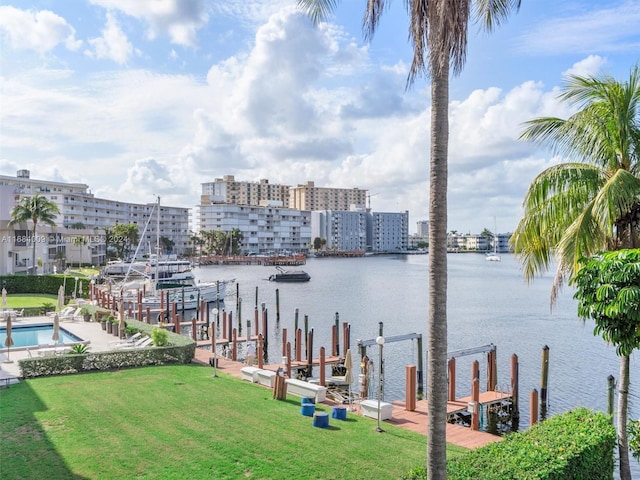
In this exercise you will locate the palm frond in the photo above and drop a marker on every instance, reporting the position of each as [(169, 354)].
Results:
[(318, 10)]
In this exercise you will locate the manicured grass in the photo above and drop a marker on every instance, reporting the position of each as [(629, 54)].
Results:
[(177, 422), (28, 300)]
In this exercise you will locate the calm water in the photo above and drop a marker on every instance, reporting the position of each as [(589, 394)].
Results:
[(35, 335), (489, 302)]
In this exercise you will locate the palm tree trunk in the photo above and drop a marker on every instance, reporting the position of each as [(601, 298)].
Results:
[(623, 399), (437, 272), (33, 239)]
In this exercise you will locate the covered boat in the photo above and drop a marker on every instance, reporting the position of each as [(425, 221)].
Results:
[(290, 276)]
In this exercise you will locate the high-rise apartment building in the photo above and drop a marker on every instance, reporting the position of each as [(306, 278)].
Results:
[(310, 197), (228, 190)]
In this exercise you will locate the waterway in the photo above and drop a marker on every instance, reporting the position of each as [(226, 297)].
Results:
[(488, 303)]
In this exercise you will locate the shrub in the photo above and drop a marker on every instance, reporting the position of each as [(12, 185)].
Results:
[(160, 337)]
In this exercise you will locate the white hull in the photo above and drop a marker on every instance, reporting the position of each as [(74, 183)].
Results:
[(209, 293)]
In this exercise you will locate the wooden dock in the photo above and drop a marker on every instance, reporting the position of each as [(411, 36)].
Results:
[(415, 420)]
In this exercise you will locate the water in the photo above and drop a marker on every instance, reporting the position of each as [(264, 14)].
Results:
[(488, 303), (34, 335)]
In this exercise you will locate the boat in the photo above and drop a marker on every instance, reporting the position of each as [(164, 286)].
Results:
[(493, 256), (186, 293), (290, 276)]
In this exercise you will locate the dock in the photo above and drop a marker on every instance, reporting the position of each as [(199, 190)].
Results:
[(415, 420)]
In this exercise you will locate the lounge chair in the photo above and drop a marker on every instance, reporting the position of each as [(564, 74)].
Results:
[(65, 314), (131, 340), (140, 343)]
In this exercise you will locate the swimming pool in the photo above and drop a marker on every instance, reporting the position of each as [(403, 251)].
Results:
[(34, 335)]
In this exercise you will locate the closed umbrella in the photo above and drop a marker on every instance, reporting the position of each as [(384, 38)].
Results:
[(121, 317), (4, 298), (60, 298), (80, 289), (56, 329), (348, 373), (8, 342)]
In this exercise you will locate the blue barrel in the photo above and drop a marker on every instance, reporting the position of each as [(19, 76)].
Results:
[(321, 420), (307, 409), (339, 413), (304, 400)]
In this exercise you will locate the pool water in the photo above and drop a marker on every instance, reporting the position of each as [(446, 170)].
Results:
[(34, 335)]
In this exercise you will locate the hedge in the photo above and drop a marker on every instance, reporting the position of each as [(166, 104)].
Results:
[(575, 445), (179, 350)]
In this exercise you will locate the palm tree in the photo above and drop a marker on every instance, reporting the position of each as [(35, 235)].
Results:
[(575, 209), (37, 209), (438, 31)]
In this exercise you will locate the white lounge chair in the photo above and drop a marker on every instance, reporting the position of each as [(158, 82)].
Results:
[(131, 340), (141, 343)]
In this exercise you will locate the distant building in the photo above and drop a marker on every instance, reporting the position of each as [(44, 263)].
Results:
[(423, 228), (265, 230), (389, 232), (342, 230), (309, 197), (228, 190)]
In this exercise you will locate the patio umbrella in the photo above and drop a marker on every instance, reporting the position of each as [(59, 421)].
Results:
[(4, 298), (348, 373), (56, 329), (8, 342), (60, 298), (121, 317), (80, 290)]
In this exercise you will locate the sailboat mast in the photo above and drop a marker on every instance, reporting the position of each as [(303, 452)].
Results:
[(157, 240)]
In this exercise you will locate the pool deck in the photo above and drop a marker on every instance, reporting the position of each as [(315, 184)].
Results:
[(88, 331)]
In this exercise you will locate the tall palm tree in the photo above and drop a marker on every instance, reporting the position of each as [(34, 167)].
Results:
[(38, 209), (575, 209), (438, 32)]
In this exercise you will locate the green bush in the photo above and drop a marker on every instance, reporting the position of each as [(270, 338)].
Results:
[(160, 337), (575, 445)]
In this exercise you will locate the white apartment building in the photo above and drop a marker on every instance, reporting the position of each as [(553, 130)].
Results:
[(228, 190), (309, 197), (423, 228), (265, 230), (342, 230), (80, 208)]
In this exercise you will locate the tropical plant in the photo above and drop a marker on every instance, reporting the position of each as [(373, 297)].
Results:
[(591, 203), (78, 348), (123, 237), (160, 337), (438, 32), (608, 291), (38, 209)]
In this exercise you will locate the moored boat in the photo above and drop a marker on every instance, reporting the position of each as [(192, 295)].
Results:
[(290, 276)]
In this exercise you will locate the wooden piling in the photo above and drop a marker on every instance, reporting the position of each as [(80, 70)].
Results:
[(452, 379), (148, 315), (420, 369), (337, 326), (544, 376), (224, 325), (492, 371), (515, 366), (230, 324), (322, 367), (265, 330), (310, 353), (475, 398), (234, 350), (239, 303), (533, 407), (298, 345), (411, 394), (284, 342), (260, 352), (334, 341), (277, 306), (194, 330), (289, 359)]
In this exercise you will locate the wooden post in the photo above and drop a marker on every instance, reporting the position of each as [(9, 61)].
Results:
[(278, 306), (306, 330), (544, 377), (224, 325), (260, 352), (334, 341), (298, 345), (289, 359), (410, 403), (452, 379), (492, 371), (346, 328), (475, 400), (322, 367), (265, 330), (611, 382), (256, 297), (230, 317), (284, 342), (256, 319), (234, 350), (176, 318), (148, 315), (514, 387), (533, 407), (420, 370), (310, 354), (194, 329), (280, 388), (337, 325)]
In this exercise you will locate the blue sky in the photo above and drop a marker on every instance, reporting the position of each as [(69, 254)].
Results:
[(153, 97)]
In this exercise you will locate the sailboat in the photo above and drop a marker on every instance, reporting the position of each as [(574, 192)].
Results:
[(493, 256)]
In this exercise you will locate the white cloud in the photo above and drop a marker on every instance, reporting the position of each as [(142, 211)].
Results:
[(178, 19), (113, 44), (605, 29), (592, 65), (41, 31)]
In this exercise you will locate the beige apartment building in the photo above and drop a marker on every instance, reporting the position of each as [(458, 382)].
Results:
[(228, 190), (309, 197)]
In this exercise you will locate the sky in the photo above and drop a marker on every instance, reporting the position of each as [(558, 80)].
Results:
[(155, 97)]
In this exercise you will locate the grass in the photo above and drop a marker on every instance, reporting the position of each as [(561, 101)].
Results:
[(177, 422), (28, 300)]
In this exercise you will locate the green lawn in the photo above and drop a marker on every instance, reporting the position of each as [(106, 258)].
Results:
[(175, 422), (28, 300)]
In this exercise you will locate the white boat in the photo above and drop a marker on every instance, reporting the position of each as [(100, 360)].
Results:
[(493, 256), (185, 293)]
